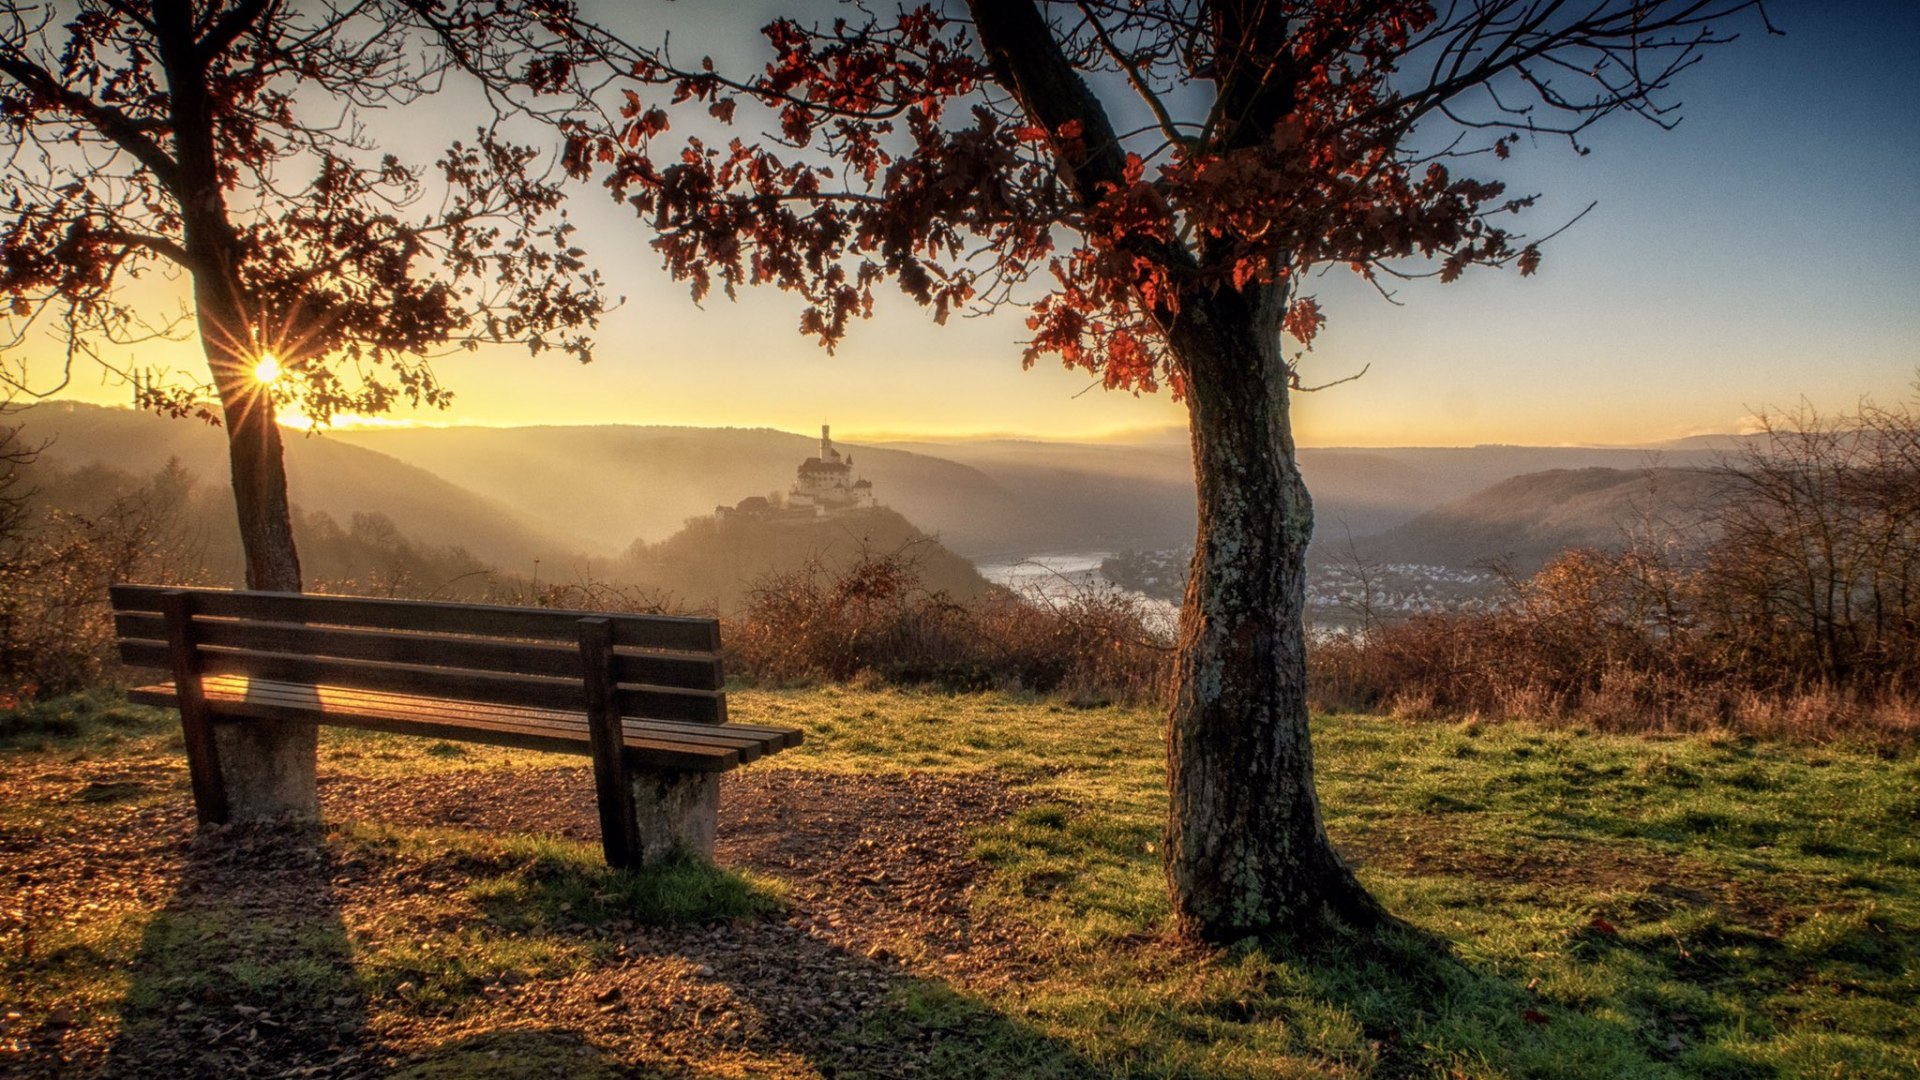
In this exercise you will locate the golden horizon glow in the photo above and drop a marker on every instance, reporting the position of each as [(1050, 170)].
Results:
[(290, 416)]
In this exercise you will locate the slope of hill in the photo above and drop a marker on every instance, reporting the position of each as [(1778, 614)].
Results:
[(1526, 520), (1070, 496), (610, 485), (325, 475), (1140, 495), (511, 496)]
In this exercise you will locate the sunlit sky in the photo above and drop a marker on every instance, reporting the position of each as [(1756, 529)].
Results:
[(1767, 250)]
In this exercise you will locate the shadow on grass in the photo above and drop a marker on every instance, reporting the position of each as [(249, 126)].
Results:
[(1423, 1006), (705, 948), (247, 969)]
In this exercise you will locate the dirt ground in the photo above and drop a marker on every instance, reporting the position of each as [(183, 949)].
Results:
[(875, 870)]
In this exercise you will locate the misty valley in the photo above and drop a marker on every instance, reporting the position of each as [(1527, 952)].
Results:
[(457, 512)]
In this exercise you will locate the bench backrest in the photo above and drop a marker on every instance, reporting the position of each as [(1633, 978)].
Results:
[(661, 667)]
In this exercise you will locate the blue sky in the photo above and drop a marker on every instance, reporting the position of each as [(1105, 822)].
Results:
[(1763, 252)]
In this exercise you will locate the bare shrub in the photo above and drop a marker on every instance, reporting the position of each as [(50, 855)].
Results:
[(56, 628), (871, 622), (1794, 612)]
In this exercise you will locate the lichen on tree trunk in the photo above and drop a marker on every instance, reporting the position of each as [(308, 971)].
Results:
[(1247, 853)]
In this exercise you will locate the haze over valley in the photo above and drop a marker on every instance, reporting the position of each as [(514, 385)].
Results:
[(616, 502)]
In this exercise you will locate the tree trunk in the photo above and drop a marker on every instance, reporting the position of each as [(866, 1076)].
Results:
[(255, 454), (269, 766), (1246, 853)]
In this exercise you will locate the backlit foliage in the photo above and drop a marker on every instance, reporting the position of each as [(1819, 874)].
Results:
[(228, 140), (1206, 147)]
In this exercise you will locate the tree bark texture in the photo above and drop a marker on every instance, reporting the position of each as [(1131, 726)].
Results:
[(269, 766), (1246, 853)]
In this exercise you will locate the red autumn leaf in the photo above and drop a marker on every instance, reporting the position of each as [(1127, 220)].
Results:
[(1535, 1016), (1304, 320), (1602, 926)]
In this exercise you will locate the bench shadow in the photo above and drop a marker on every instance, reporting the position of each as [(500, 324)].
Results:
[(741, 991), (247, 968), (918, 1026)]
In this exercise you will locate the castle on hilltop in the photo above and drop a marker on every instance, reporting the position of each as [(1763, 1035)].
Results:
[(823, 485)]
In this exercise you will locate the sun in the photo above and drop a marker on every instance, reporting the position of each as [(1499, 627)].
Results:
[(267, 370)]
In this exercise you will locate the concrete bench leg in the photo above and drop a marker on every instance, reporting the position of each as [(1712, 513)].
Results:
[(241, 772), (268, 769), (676, 811)]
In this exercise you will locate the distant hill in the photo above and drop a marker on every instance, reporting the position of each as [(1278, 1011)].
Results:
[(1526, 520), (324, 475), (714, 565), (612, 484), (1075, 496), (573, 497), (1123, 495)]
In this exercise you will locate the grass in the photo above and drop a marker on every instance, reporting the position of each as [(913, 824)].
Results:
[(1615, 905), (1584, 905)]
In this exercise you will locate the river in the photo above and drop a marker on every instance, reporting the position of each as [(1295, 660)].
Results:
[(1056, 577)]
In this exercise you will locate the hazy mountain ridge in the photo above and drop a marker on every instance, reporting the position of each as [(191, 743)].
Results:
[(611, 485), (324, 475), (1526, 520), (561, 494)]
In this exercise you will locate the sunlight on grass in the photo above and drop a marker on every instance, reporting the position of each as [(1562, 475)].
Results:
[(1583, 905), (1514, 845)]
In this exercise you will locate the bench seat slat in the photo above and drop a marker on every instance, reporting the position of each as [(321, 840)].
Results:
[(655, 743), (766, 739), (763, 738), (237, 688), (570, 726), (631, 631)]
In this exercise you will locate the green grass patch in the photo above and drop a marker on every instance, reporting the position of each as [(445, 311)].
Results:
[(1580, 906), (548, 884), (99, 720), (1586, 905), (511, 1055)]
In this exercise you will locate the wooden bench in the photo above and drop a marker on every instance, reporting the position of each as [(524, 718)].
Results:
[(640, 694)]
